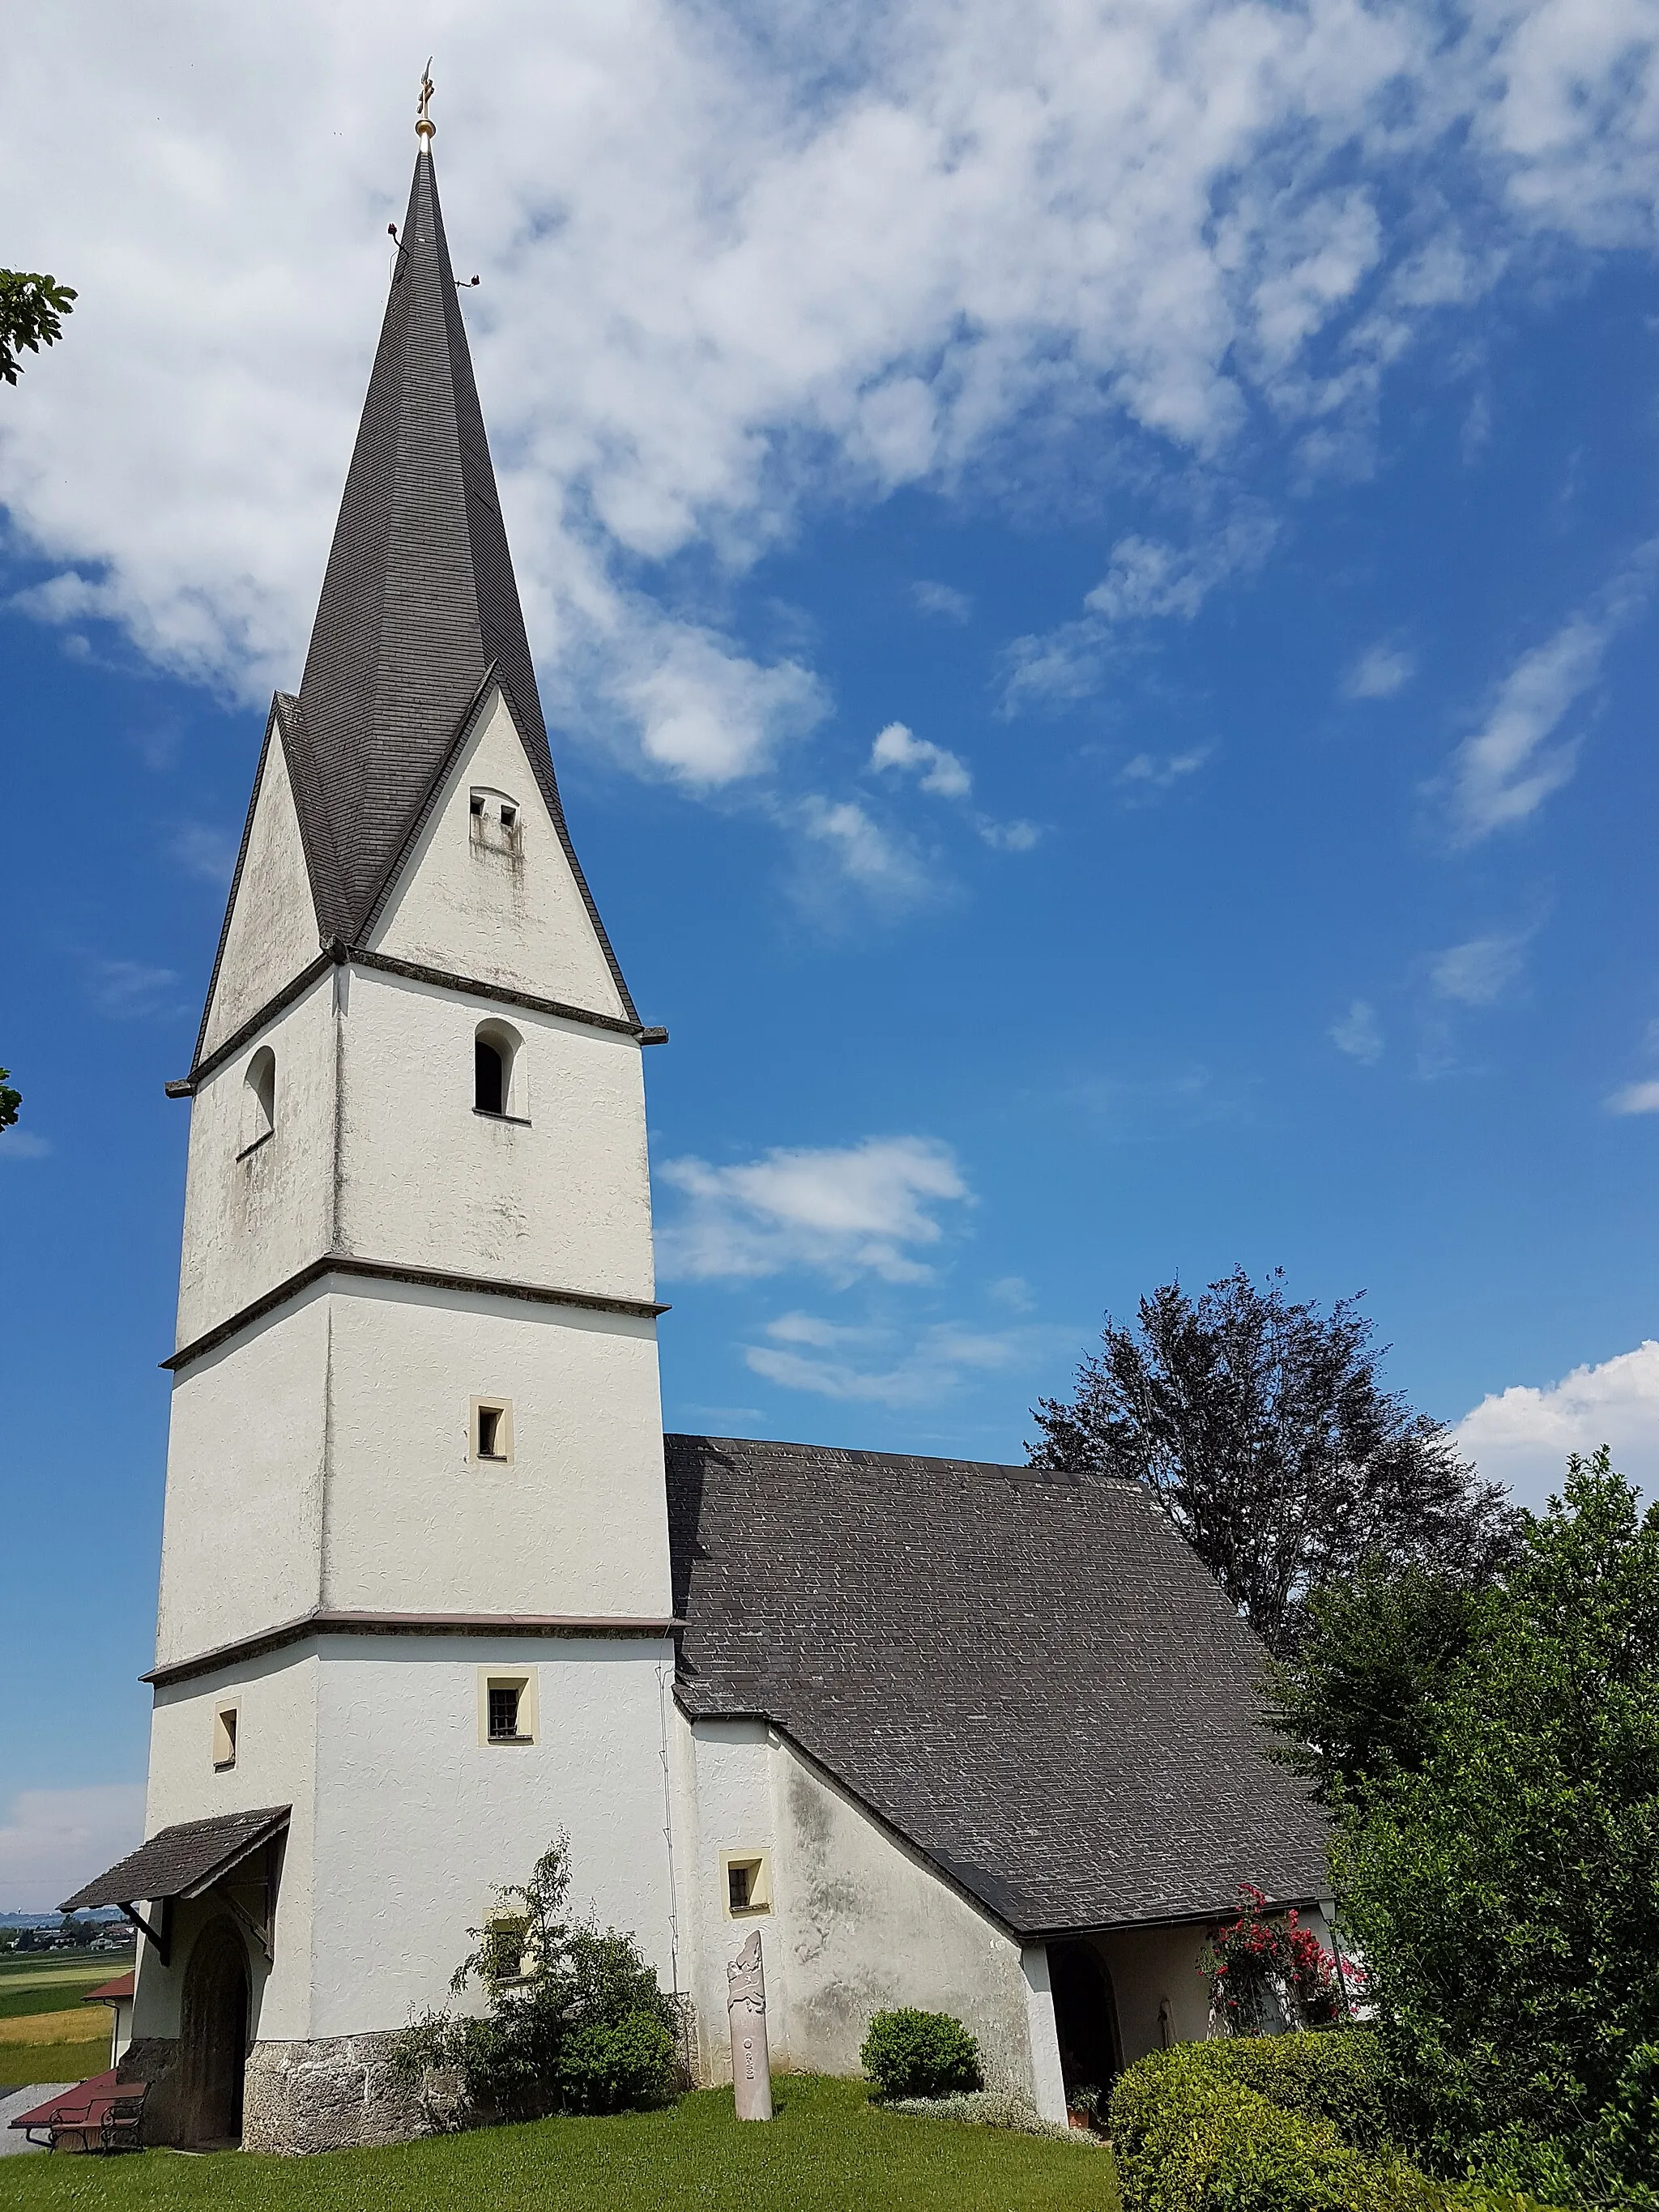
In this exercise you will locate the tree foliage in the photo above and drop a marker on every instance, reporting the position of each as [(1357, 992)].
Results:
[(1505, 1892), (577, 2021), (32, 311), (1260, 1424), (10, 1100), (1359, 1697)]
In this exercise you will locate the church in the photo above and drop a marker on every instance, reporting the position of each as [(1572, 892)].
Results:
[(435, 1586)]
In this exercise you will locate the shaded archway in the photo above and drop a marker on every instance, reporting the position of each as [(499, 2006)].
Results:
[(1085, 2017), (214, 2037)]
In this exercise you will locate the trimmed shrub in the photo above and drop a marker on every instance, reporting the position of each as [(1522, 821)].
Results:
[(617, 2066), (1279, 2123), (920, 2054), (1330, 2076)]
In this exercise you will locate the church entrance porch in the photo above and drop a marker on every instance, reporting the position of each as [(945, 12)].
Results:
[(214, 2039), (1085, 2018)]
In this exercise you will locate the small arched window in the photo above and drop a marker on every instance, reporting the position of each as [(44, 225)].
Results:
[(497, 1078), (259, 1098)]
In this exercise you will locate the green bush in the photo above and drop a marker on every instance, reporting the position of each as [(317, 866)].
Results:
[(1271, 2124), (920, 2054), (577, 2020), (620, 2066)]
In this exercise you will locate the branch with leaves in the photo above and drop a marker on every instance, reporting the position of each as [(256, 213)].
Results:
[(10, 1100), (32, 311)]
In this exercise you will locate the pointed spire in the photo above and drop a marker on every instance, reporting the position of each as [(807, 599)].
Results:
[(419, 603)]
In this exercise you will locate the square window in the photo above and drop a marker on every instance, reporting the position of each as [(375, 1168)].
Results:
[(491, 1439), (504, 1711), (748, 1878), (224, 1736)]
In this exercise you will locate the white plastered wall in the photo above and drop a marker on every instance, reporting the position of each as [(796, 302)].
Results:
[(242, 1528), (859, 1923), (418, 1821), (252, 1223), (273, 926), (1152, 1969), (574, 1523), (564, 1201), (276, 1697), (514, 918)]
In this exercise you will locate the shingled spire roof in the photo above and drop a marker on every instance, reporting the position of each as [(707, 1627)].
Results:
[(419, 608)]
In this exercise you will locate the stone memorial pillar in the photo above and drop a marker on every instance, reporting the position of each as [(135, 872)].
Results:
[(745, 2003)]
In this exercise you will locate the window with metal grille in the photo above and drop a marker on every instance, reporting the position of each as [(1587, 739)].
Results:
[(504, 1711)]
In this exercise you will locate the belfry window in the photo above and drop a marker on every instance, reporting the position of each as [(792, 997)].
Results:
[(225, 1718), (259, 1100), (493, 823), (498, 1085), (489, 1077)]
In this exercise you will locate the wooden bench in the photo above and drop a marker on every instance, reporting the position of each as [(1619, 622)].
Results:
[(103, 2113)]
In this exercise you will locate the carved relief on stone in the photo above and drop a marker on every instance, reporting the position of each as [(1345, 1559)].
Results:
[(745, 2005)]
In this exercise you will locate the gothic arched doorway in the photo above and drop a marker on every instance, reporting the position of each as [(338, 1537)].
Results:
[(215, 2037), (1085, 2017)]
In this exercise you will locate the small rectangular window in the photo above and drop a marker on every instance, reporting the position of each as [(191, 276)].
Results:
[(506, 1706), (477, 802), (748, 1884), (491, 1441), (224, 1736), (509, 814)]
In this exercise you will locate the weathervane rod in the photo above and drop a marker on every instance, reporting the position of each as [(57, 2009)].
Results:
[(425, 129)]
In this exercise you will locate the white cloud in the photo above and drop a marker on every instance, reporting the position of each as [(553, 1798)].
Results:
[(1359, 1033), (1523, 1436), (1477, 972), (935, 769), (1379, 672), (54, 1840), (1149, 772), (863, 1209), (1510, 767), (900, 1370), (942, 600), (736, 266), (206, 852), (1016, 836), (865, 854), (127, 990), (1146, 580), (1635, 1098), (22, 1145), (1013, 1291)]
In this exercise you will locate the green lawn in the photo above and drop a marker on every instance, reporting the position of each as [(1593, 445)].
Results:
[(827, 2151), (47, 1982)]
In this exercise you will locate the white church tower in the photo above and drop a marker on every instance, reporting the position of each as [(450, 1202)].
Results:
[(415, 1603)]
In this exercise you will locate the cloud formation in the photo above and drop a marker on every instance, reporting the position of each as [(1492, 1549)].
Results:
[(1635, 1098), (1523, 1436), (733, 267), (1379, 672), (934, 769), (1359, 1033), (53, 1840), (1521, 754), (1475, 972), (885, 1366), (843, 1213)]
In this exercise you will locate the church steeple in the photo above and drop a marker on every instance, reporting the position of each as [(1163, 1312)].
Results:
[(419, 604)]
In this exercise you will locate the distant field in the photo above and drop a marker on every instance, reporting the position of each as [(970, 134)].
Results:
[(50, 2062), (33, 1985)]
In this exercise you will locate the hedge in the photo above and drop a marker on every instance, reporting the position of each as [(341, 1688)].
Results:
[(1271, 2124)]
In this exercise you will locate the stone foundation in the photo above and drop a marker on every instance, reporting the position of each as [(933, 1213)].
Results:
[(339, 2092)]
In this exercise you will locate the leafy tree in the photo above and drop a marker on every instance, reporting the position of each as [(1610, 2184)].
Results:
[(1505, 1894), (10, 1100), (1259, 1424), (1359, 1696), (577, 2022), (32, 311)]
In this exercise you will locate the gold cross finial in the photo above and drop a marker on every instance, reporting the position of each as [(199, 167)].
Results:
[(425, 128)]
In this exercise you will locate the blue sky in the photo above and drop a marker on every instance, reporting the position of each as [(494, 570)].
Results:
[(1100, 602)]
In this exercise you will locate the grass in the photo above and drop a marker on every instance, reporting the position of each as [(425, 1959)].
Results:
[(52, 2061), (828, 2150)]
